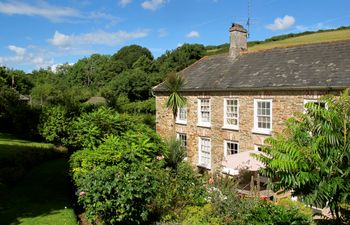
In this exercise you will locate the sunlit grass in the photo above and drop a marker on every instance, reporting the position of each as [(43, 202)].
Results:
[(34, 184), (330, 36)]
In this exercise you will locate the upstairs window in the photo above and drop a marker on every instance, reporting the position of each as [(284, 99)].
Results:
[(231, 113), (262, 116), (316, 102), (181, 115), (204, 152), (204, 112), (231, 148)]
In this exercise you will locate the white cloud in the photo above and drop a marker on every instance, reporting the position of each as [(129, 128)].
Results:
[(103, 16), (179, 45), (193, 34), (24, 56), (17, 50), (53, 13), (96, 38), (153, 4), (54, 67), (281, 23), (124, 3)]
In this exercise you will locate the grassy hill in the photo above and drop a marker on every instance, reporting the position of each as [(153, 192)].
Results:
[(287, 40), (329, 36)]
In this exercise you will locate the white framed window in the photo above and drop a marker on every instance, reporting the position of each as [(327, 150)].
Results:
[(182, 137), (231, 111), (230, 148), (262, 116), (204, 111), (316, 102), (204, 152), (181, 115)]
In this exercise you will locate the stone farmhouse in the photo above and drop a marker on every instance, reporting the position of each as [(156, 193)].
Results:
[(236, 100)]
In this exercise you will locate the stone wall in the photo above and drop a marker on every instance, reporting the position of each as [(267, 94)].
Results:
[(284, 105)]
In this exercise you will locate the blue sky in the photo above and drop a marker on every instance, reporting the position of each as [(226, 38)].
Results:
[(41, 33)]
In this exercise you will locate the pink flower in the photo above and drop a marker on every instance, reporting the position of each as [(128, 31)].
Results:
[(211, 181), (81, 193)]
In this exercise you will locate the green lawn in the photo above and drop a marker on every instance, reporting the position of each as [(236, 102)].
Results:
[(11, 146), (40, 192)]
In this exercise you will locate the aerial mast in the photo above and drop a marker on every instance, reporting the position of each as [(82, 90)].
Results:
[(248, 20)]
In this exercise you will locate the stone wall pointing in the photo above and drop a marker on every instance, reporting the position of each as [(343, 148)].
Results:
[(284, 105)]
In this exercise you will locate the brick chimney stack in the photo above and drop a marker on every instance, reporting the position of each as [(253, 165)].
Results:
[(238, 40)]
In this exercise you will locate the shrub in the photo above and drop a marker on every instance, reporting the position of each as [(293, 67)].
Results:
[(117, 194), (88, 130), (301, 207), (196, 215), (54, 124), (178, 189), (268, 213), (117, 181)]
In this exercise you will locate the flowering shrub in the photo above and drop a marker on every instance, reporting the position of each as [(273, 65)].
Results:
[(116, 181)]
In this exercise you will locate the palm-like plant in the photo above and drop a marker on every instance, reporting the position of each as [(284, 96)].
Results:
[(175, 153), (174, 83)]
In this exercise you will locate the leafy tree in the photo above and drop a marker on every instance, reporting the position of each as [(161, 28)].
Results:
[(181, 57), (145, 64), (136, 84), (95, 71), (130, 54), (16, 79), (312, 157)]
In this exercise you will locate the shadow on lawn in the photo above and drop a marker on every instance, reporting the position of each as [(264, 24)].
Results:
[(44, 194)]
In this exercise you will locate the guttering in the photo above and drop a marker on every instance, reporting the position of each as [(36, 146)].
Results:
[(248, 89)]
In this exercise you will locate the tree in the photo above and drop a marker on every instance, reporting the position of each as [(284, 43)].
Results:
[(311, 157), (181, 57), (130, 54), (174, 82)]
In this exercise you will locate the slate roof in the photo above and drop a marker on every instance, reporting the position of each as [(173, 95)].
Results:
[(313, 66)]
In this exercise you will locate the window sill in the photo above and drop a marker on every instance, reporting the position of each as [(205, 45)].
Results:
[(264, 132), (181, 122), (203, 125), (230, 128), (204, 166)]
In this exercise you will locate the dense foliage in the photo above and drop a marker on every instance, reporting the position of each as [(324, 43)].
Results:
[(312, 157), (116, 180), (124, 173)]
